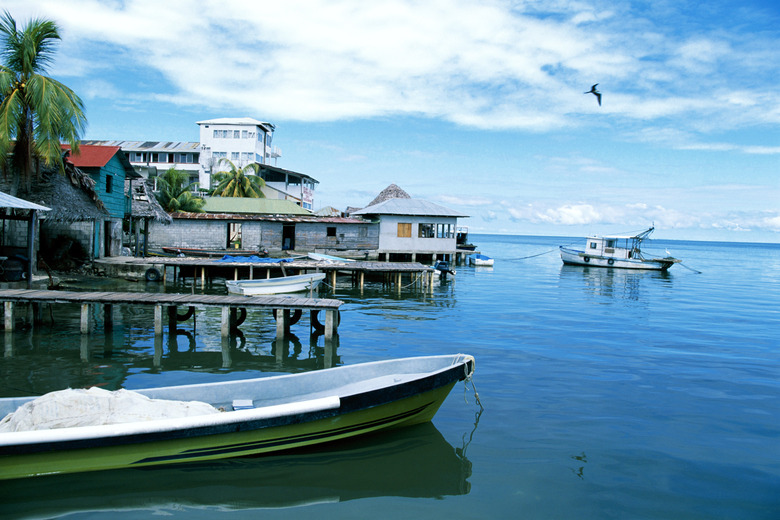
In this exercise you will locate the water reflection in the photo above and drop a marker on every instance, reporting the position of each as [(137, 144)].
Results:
[(410, 462), (43, 360), (624, 284)]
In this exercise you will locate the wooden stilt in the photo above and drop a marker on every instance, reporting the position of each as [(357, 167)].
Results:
[(225, 322), (9, 316), (158, 326), (85, 318), (282, 323), (330, 324), (108, 316)]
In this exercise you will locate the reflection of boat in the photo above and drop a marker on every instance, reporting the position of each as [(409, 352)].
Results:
[(616, 251), (281, 285), (480, 260), (189, 251), (282, 412), (415, 462), (328, 258)]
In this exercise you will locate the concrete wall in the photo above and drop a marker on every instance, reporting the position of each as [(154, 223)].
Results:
[(389, 241), (259, 235)]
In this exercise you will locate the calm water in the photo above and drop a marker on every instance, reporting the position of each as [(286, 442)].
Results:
[(607, 394)]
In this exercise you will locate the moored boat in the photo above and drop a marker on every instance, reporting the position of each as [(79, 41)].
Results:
[(618, 251), (480, 260), (319, 257), (261, 415), (281, 285)]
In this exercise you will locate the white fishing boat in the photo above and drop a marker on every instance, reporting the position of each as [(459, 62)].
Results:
[(319, 257), (619, 251), (479, 260), (81, 430), (281, 285)]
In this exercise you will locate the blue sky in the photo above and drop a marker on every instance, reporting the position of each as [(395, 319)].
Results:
[(478, 106)]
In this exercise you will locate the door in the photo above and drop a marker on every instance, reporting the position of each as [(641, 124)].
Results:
[(288, 237)]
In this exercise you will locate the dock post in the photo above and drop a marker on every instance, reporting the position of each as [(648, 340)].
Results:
[(202, 278), (108, 316), (333, 278), (330, 324), (9, 316), (282, 323), (85, 318), (225, 322), (158, 327)]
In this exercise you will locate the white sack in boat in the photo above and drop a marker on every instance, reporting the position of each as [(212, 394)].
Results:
[(95, 406)]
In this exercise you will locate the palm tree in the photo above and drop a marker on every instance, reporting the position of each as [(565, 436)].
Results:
[(37, 112), (175, 192), (239, 182)]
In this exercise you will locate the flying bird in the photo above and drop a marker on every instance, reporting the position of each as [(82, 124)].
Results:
[(594, 92)]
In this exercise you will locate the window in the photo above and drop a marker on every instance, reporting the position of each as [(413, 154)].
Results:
[(109, 183), (136, 157), (234, 235), (235, 156), (244, 134), (593, 245), (236, 134), (404, 229), (426, 230), (331, 231), (444, 231)]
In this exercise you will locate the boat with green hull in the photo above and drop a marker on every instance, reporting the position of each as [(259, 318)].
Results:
[(255, 416)]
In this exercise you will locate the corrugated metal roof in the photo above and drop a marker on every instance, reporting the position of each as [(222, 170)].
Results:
[(9, 201), (415, 207), (91, 156), (253, 206), (149, 146), (292, 219)]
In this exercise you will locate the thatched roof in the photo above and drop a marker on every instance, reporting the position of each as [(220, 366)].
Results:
[(144, 203), (71, 197), (391, 192)]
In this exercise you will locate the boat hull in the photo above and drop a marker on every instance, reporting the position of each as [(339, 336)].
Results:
[(282, 285), (480, 261), (356, 408), (574, 257)]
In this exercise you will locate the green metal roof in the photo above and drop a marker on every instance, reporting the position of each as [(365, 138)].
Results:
[(253, 206)]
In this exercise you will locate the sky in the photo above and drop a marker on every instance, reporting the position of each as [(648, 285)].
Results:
[(479, 106)]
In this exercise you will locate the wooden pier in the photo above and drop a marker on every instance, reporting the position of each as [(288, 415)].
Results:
[(204, 269), (286, 309)]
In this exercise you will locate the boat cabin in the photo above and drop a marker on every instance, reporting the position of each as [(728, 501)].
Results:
[(623, 247)]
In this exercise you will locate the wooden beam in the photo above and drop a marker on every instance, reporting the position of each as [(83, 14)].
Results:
[(225, 321), (158, 326)]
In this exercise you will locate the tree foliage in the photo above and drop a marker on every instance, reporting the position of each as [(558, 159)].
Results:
[(37, 113), (175, 192), (239, 182)]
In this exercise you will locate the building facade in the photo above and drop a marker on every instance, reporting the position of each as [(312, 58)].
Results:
[(413, 230)]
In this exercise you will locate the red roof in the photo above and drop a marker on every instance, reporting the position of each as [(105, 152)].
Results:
[(92, 156)]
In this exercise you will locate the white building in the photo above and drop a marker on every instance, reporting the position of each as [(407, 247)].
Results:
[(242, 140), (413, 229)]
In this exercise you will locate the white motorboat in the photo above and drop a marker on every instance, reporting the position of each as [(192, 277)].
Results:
[(619, 251), (281, 285), (480, 260)]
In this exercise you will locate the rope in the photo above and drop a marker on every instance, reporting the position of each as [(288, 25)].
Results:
[(469, 379), (540, 254), (689, 268)]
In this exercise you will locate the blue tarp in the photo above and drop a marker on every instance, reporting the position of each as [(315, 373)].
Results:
[(253, 258)]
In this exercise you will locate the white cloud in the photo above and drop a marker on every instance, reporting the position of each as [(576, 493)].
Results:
[(484, 65)]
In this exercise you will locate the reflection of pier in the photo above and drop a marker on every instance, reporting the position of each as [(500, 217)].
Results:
[(286, 310)]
